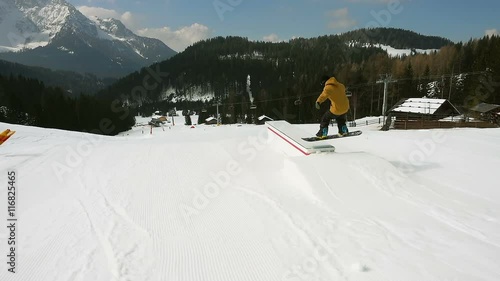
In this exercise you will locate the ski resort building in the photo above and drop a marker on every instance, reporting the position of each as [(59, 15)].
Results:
[(486, 112), (263, 119), (424, 113), (211, 121), (422, 108)]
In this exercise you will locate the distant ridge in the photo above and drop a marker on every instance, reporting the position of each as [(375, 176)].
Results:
[(396, 38)]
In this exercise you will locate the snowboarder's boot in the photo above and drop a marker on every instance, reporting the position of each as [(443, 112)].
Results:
[(322, 133), (344, 131)]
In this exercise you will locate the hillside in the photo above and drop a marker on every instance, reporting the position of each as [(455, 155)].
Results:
[(28, 101), (73, 83), (211, 63), (226, 203), (283, 77), (219, 67), (396, 38)]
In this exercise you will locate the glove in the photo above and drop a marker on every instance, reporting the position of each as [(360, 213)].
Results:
[(317, 105)]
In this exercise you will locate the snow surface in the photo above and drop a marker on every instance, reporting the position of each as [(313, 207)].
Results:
[(228, 203), (393, 52)]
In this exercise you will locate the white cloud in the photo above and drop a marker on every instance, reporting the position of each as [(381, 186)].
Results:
[(98, 12), (178, 39), (130, 20), (492, 32), (272, 38), (340, 19)]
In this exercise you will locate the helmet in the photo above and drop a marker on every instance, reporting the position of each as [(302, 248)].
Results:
[(323, 80)]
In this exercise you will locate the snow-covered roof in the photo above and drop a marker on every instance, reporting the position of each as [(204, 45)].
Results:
[(265, 117), (419, 105), (485, 107)]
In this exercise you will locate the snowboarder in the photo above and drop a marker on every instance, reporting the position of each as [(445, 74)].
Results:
[(335, 92)]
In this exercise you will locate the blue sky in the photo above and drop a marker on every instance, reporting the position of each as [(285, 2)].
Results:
[(179, 23)]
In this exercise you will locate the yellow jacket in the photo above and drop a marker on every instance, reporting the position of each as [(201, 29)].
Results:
[(335, 92)]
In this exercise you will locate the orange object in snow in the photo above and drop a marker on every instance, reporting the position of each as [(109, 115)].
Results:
[(5, 135)]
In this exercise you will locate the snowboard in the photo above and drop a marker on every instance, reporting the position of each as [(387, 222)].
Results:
[(329, 137)]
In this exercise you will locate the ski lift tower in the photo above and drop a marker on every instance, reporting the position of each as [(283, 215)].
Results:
[(253, 113), (386, 79), (352, 101), (217, 104)]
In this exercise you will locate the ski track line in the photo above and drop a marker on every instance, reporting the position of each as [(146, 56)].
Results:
[(101, 238), (36, 156), (310, 239), (228, 245), (487, 218), (472, 194), (77, 250), (239, 246), (364, 221), (121, 213), (389, 236), (52, 247), (348, 231), (286, 216), (158, 198), (430, 211), (43, 255), (68, 238), (216, 242), (126, 249), (115, 185), (394, 238), (334, 195), (121, 241), (157, 206), (422, 205), (80, 273), (460, 226), (445, 215)]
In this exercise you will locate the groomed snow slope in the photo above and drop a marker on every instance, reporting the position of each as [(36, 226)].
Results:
[(226, 203)]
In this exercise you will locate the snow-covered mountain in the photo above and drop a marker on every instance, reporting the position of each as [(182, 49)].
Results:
[(54, 34), (143, 46)]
